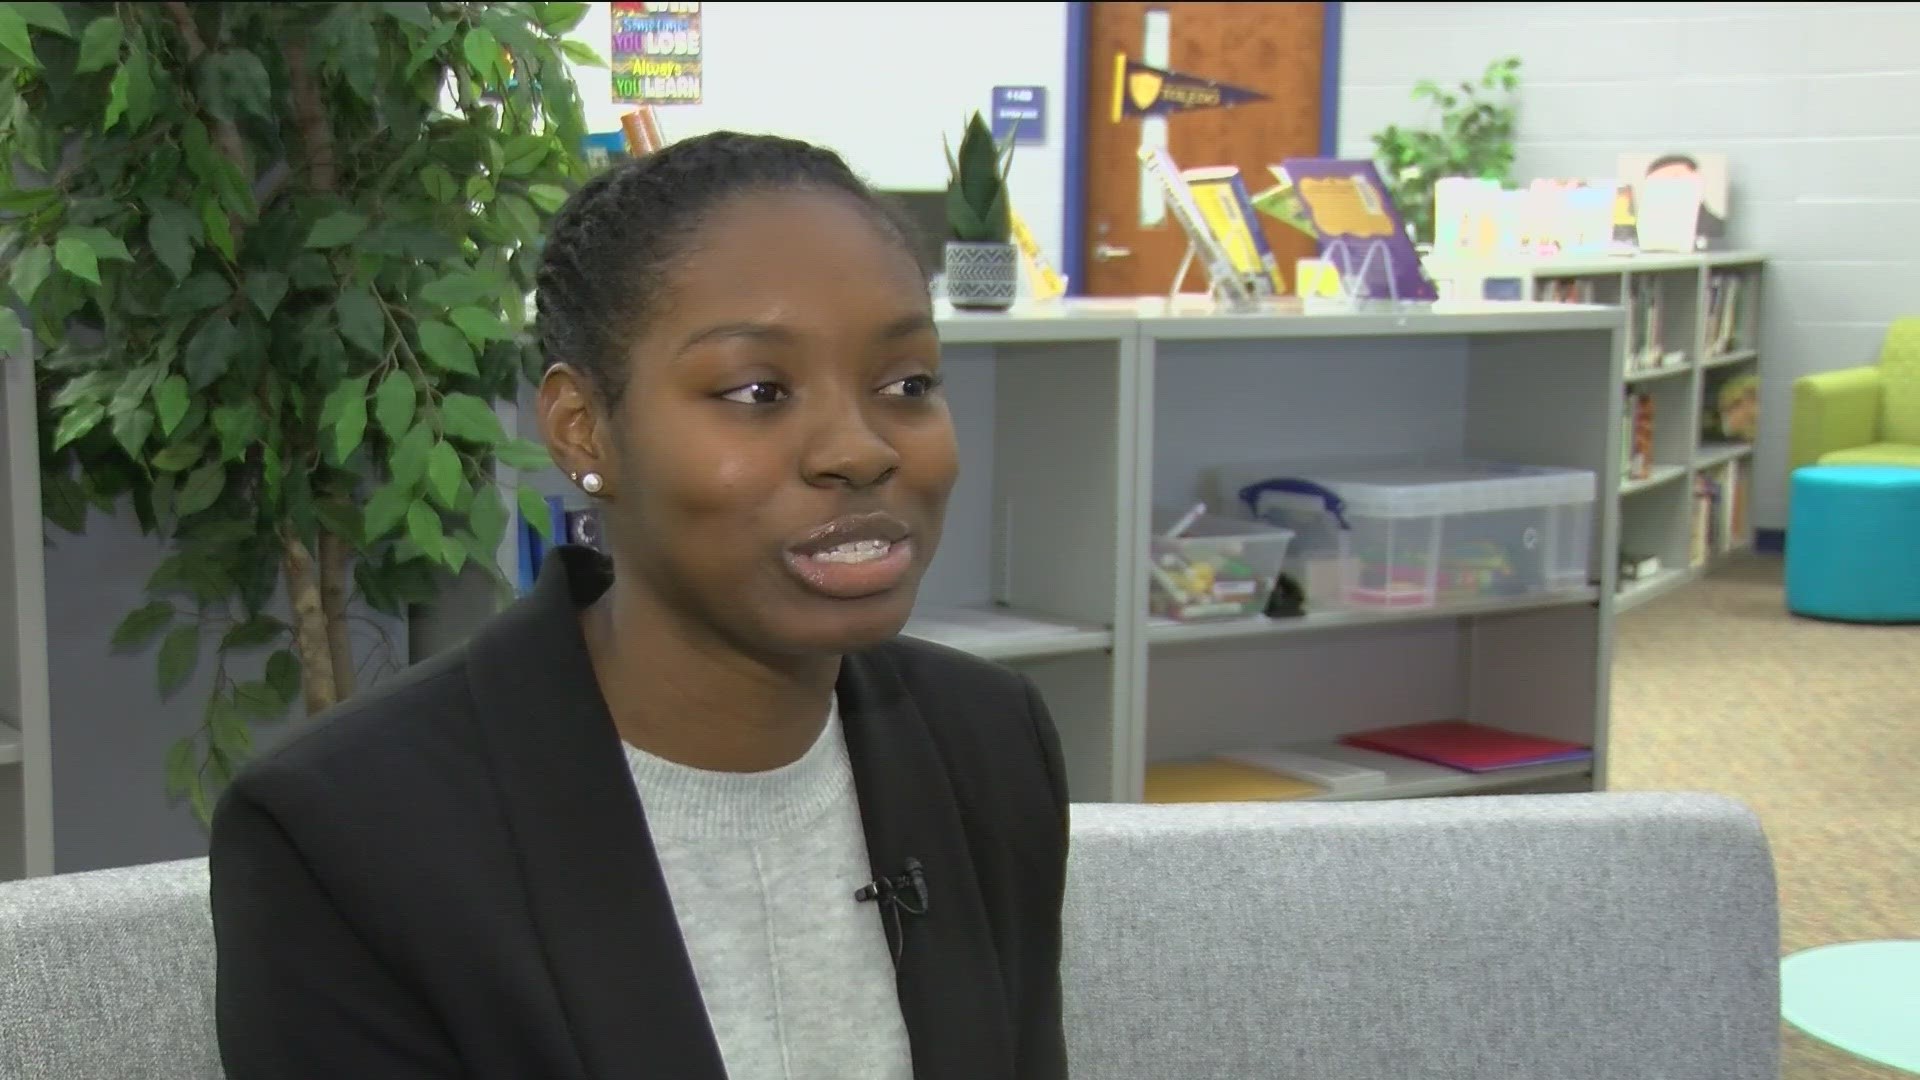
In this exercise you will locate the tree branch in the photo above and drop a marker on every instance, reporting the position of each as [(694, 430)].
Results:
[(225, 133), (310, 118)]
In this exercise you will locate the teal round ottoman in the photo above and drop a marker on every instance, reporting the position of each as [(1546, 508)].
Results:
[(1853, 543)]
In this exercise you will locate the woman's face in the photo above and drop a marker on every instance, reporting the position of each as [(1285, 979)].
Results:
[(782, 451)]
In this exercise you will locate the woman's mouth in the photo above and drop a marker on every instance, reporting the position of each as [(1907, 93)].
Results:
[(853, 557)]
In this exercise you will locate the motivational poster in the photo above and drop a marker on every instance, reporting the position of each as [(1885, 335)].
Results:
[(656, 54)]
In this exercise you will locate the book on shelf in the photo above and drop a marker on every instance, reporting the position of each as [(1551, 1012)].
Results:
[(1566, 291), (1704, 532), (1224, 281), (1469, 747), (1723, 312), (1636, 436), (1361, 230), (1227, 211), (1219, 780), (1338, 769)]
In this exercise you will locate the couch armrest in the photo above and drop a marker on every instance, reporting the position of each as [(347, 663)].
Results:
[(1834, 410)]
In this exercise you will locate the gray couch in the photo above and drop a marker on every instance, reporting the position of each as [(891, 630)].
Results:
[(1558, 937)]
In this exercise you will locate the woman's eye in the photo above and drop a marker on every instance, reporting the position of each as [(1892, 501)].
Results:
[(912, 386), (760, 393)]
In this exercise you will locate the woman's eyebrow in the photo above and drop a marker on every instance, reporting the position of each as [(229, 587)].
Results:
[(904, 326)]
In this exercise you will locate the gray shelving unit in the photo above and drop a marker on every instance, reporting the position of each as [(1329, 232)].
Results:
[(1074, 418), (26, 764), (1657, 511)]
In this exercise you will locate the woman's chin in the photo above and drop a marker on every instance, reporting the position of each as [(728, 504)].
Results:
[(846, 625)]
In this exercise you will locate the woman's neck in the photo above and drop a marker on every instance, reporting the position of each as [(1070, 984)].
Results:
[(691, 698)]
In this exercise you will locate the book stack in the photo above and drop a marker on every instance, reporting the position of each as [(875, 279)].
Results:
[(1636, 436), (1468, 747)]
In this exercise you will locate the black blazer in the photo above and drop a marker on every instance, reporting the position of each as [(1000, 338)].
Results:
[(451, 876)]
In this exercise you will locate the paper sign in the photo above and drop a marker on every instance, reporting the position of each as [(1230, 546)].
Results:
[(656, 54), (1020, 111)]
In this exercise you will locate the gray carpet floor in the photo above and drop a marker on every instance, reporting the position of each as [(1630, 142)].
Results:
[(1814, 725)]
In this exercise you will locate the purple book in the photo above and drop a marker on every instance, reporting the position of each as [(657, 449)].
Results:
[(1352, 210)]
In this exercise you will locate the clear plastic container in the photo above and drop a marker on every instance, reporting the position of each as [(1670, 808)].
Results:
[(1418, 535), (1220, 567)]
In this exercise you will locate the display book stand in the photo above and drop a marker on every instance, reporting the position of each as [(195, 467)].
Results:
[(1075, 418), (1694, 324), (26, 763)]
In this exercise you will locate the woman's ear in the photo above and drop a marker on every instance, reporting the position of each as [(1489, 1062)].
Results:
[(575, 431)]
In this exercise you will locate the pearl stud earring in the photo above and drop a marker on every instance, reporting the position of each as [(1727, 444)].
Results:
[(591, 483)]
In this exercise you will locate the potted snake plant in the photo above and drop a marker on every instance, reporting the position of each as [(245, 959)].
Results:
[(982, 264)]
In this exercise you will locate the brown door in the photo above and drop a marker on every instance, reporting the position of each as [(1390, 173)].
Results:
[(1133, 243)]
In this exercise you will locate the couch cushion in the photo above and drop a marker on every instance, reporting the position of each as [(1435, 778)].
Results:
[(1885, 453), (1558, 937), (108, 976)]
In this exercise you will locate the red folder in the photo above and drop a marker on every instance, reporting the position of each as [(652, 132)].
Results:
[(1469, 747)]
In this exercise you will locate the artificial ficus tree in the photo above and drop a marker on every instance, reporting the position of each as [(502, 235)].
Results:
[(277, 258)]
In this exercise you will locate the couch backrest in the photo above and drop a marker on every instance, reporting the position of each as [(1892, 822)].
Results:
[(1900, 382), (1513, 938)]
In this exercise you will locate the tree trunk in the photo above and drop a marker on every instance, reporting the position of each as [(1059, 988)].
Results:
[(309, 627), (334, 555)]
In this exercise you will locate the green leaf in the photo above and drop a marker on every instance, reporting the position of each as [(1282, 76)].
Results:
[(424, 529), (100, 45), (480, 190), (548, 197), (581, 53), (203, 486), (344, 413), (172, 231), (30, 270), (465, 416), (204, 290), (219, 230), (14, 37), (520, 216), (77, 421), (488, 519), (11, 334), (178, 655), (533, 507), (266, 288), (131, 430), (386, 509), (523, 454), (255, 632), (482, 50), (525, 153), (283, 674), (557, 19), (361, 320), (141, 624), (76, 257), (133, 88), (393, 404), (105, 245), (412, 14), (177, 457), (259, 701), (211, 352), (239, 427), (227, 729), (63, 502), (459, 287), (134, 388), (440, 184), (479, 325), (236, 78), (170, 400), (181, 768), (409, 462), (446, 347), (429, 48), (337, 228), (50, 17), (445, 474)]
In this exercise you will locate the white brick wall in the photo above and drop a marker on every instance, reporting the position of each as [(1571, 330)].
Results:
[(1816, 107)]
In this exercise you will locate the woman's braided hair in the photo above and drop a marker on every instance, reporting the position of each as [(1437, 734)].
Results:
[(610, 247)]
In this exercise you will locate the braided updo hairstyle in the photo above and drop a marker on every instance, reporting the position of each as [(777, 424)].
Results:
[(609, 248)]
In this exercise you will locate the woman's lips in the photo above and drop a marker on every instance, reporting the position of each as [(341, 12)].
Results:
[(854, 568)]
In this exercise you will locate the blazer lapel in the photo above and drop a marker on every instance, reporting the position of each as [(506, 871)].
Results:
[(951, 993), (598, 897)]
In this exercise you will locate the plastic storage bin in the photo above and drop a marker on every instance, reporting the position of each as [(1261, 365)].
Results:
[(1419, 535), (1220, 567)]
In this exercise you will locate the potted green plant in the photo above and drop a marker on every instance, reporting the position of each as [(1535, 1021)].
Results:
[(982, 264), (277, 257), (1473, 138)]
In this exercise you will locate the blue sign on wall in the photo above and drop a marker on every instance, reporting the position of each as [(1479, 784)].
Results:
[(1022, 111)]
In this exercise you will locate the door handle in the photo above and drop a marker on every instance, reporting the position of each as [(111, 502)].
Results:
[(1105, 252)]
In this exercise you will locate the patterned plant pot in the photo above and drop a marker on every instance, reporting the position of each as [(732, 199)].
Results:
[(982, 276)]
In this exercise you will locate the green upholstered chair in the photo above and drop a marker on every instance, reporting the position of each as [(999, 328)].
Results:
[(1864, 415)]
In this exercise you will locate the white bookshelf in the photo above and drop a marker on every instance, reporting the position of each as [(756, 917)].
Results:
[(1075, 417), (1657, 511), (26, 767)]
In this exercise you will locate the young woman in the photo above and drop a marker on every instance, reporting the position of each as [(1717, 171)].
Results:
[(693, 811)]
